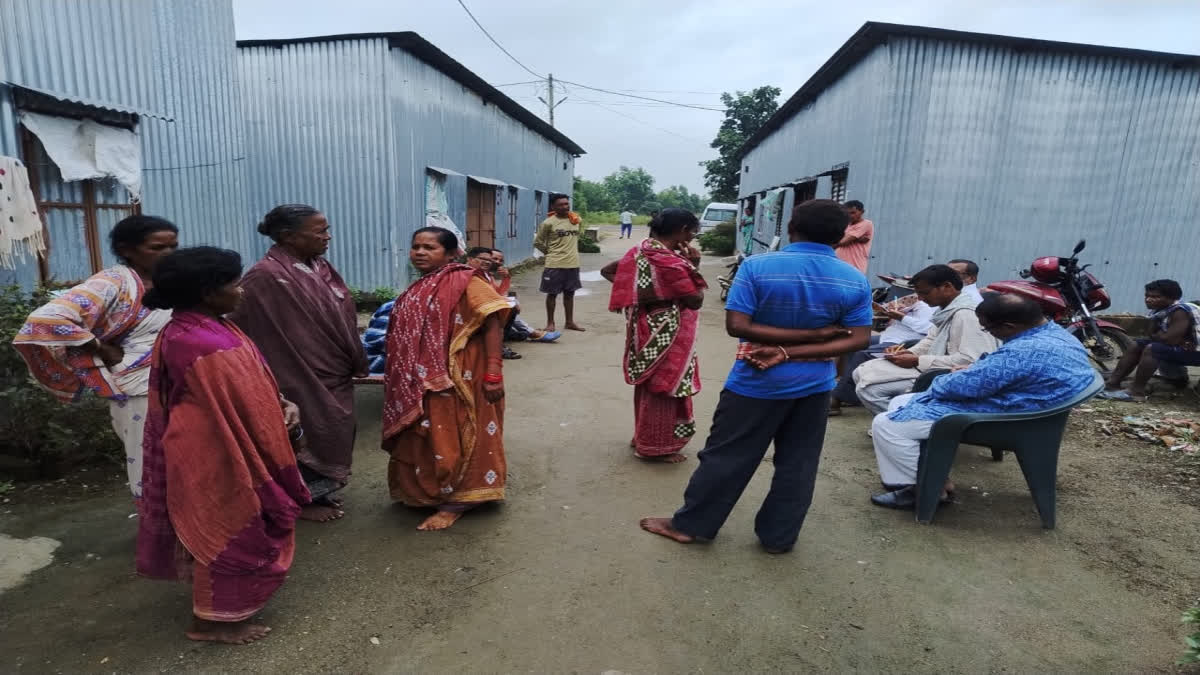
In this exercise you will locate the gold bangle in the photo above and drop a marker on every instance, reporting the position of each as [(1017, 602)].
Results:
[(784, 352)]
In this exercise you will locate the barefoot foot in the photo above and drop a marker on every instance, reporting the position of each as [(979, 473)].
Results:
[(439, 521), (239, 633), (673, 458), (319, 513), (663, 528), (574, 326)]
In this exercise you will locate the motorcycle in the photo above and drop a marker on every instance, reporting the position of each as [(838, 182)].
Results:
[(1069, 295)]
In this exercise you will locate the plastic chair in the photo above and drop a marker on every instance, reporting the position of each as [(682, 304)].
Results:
[(1033, 437)]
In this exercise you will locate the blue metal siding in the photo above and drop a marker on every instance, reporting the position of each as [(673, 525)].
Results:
[(98, 51), (171, 61), (440, 122), (318, 134), (351, 127), (1000, 155)]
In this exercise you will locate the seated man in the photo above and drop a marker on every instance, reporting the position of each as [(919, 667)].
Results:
[(1171, 347), (910, 323), (517, 329), (480, 257), (956, 339), (968, 271), (1039, 365)]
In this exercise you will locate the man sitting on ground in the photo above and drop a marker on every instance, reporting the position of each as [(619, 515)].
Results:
[(1172, 346), (1039, 366), (480, 257), (956, 339), (517, 329)]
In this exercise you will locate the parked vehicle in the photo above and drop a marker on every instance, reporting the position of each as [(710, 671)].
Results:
[(726, 280), (717, 213), (1069, 295)]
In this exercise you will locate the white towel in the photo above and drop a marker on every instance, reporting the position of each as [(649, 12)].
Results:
[(20, 225)]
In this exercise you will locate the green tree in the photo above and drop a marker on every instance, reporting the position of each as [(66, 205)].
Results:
[(592, 196), (679, 197), (631, 188), (745, 114)]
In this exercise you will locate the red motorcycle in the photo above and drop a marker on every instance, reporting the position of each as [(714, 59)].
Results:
[(1069, 295)]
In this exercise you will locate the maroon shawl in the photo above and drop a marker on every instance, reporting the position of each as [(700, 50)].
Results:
[(219, 477), (302, 317), (661, 334)]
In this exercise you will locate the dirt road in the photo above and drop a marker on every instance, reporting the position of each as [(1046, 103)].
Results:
[(560, 578)]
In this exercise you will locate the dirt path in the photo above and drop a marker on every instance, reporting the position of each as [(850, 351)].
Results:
[(560, 578)]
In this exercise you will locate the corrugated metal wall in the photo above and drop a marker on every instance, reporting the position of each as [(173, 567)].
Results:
[(318, 133), (170, 61), (439, 122), (351, 127), (984, 152), (194, 167)]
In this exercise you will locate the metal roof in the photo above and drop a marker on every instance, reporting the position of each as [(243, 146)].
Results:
[(873, 34), (424, 50)]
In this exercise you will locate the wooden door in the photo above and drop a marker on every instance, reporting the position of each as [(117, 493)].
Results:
[(481, 214)]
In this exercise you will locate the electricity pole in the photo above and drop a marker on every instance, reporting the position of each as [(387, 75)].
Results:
[(551, 104)]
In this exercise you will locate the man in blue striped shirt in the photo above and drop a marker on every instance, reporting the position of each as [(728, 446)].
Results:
[(799, 309)]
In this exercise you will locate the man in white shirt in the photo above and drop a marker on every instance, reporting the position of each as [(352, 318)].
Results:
[(968, 271), (910, 323), (955, 339), (626, 224)]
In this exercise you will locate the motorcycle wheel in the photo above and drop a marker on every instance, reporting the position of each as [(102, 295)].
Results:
[(1105, 354)]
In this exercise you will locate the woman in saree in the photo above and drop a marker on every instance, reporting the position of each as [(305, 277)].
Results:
[(659, 289), (97, 336), (443, 414), (221, 488), (300, 313)]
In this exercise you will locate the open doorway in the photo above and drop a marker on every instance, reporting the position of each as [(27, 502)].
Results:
[(481, 214)]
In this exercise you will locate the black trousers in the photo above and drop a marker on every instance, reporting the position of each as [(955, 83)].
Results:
[(742, 430)]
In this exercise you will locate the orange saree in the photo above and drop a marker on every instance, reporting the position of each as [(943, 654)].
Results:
[(447, 446)]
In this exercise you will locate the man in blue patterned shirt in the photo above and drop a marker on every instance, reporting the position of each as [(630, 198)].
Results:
[(1038, 366)]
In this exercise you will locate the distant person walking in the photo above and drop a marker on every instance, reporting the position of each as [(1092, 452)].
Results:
[(855, 246), (626, 224), (558, 238)]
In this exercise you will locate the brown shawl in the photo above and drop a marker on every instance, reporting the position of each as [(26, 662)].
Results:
[(303, 319)]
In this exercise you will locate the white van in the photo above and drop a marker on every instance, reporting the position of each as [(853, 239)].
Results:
[(717, 213)]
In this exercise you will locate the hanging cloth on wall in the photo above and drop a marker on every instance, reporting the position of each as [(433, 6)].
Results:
[(20, 225), (85, 149)]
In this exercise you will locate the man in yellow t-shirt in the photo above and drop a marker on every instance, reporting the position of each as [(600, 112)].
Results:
[(558, 238)]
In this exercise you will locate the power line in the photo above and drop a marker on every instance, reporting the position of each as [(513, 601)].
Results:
[(513, 84), (644, 98), (639, 121), (674, 91), (498, 45), (551, 103)]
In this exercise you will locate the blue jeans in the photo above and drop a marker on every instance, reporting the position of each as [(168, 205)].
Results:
[(627, 230)]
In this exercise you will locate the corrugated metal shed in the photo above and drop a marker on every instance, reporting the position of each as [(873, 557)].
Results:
[(170, 62), (351, 124), (1001, 150)]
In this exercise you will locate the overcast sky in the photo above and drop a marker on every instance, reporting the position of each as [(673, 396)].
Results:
[(691, 50)]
